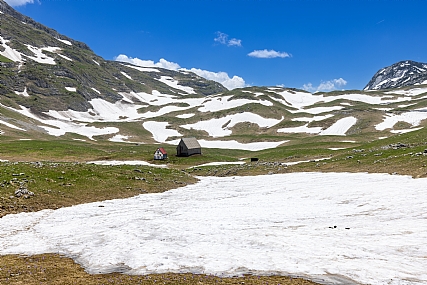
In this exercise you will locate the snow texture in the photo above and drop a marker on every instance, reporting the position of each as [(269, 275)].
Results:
[(174, 84), (413, 118), (369, 228), (221, 127), (159, 130), (232, 144), (340, 127), (65, 42), (125, 162), (11, 125), (24, 93)]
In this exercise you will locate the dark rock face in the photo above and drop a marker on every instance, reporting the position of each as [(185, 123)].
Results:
[(401, 74)]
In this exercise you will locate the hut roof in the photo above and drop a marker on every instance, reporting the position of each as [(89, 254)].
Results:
[(162, 150), (191, 143)]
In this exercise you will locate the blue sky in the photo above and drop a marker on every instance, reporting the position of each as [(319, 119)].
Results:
[(312, 44)]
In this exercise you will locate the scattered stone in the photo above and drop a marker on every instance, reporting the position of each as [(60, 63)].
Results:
[(23, 192), (139, 178), (398, 145)]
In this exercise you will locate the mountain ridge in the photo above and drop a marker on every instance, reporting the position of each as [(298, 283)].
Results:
[(400, 74), (51, 87), (45, 65)]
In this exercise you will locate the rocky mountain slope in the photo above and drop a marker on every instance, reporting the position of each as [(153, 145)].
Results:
[(43, 70), (401, 74), (54, 87)]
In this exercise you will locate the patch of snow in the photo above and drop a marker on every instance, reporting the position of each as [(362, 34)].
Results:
[(96, 90), (221, 127), (302, 100), (185, 116), (305, 161), (81, 140), (220, 163), (402, 75), (318, 110), (119, 138), (174, 84), (414, 118), (232, 144), (313, 119), (410, 92), (336, 148), (24, 93), (126, 162), (340, 127), (71, 89), (159, 130), (65, 42), (301, 129), (369, 228), (11, 126), (40, 57), (405, 131), (102, 111), (215, 104), (9, 52), (383, 109), (64, 57), (405, 105), (97, 63), (143, 69), (126, 75), (61, 127)]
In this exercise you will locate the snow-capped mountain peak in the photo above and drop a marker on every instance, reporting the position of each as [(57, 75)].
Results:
[(403, 73)]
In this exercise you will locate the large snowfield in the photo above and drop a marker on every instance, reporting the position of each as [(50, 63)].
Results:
[(336, 227)]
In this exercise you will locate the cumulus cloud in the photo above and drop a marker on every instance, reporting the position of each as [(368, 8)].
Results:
[(223, 39), (325, 86), (268, 54), (220, 77), (15, 3), (163, 63)]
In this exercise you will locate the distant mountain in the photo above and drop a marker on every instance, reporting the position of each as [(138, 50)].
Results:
[(401, 74), (44, 70), (54, 86)]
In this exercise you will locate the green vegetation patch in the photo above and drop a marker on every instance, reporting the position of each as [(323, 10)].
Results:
[(4, 59)]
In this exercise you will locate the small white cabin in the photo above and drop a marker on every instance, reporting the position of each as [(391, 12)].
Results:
[(160, 154)]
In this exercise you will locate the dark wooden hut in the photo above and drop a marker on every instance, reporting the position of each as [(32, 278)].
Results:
[(188, 146)]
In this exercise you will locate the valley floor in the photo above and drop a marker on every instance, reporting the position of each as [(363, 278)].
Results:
[(328, 227)]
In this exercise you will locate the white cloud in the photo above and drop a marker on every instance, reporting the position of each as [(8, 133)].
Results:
[(223, 39), (163, 63), (268, 54), (18, 2), (220, 77), (325, 85), (235, 42)]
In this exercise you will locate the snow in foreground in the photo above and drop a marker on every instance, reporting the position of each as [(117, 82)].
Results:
[(370, 228)]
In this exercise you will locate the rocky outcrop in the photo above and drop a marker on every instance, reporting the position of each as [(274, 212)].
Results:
[(401, 74)]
